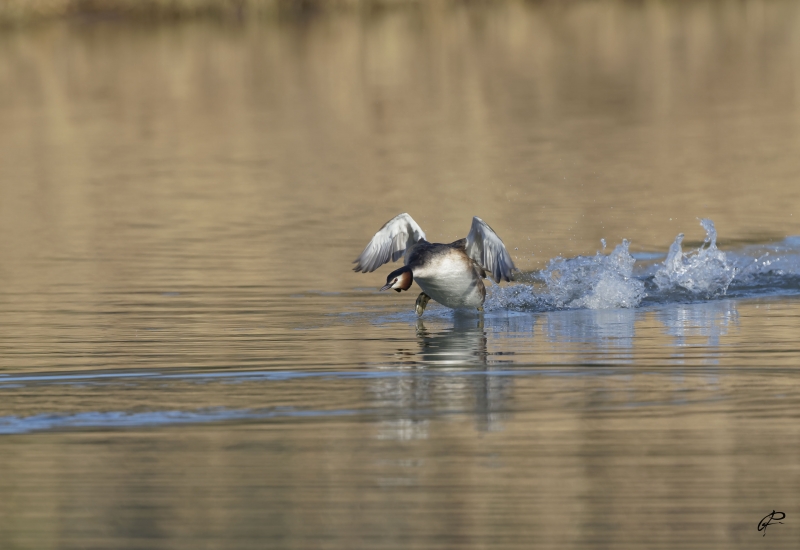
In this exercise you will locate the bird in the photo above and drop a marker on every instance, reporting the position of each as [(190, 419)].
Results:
[(450, 274)]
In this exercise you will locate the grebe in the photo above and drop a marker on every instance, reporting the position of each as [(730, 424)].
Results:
[(447, 273)]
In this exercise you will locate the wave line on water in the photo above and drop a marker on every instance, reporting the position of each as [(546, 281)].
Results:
[(10, 425), (13, 382)]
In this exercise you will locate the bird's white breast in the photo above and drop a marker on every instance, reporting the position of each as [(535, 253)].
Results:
[(450, 280)]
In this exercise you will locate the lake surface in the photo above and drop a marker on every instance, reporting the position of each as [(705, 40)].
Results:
[(187, 359)]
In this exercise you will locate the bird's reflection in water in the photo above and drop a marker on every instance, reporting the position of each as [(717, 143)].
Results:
[(462, 344), (403, 429), (447, 374)]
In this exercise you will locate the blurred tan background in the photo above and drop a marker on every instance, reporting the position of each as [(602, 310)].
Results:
[(557, 123)]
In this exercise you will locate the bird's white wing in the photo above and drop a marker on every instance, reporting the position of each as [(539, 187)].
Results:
[(486, 248), (390, 242)]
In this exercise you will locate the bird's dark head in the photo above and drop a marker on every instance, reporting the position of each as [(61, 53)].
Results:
[(399, 279)]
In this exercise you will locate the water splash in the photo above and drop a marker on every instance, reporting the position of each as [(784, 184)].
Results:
[(705, 271), (598, 282), (593, 282), (780, 259), (615, 281)]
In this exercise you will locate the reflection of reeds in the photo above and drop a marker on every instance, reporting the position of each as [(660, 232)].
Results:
[(23, 11)]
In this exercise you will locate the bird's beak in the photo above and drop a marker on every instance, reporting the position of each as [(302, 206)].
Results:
[(387, 286)]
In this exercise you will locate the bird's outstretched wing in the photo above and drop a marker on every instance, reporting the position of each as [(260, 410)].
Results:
[(486, 248), (390, 242)]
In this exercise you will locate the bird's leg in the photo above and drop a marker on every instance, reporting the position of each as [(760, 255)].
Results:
[(422, 301), (480, 308)]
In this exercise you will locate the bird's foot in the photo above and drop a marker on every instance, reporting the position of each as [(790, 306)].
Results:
[(422, 301), (480, 308)]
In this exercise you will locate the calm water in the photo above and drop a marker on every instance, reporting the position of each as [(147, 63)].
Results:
[(188, 361)]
